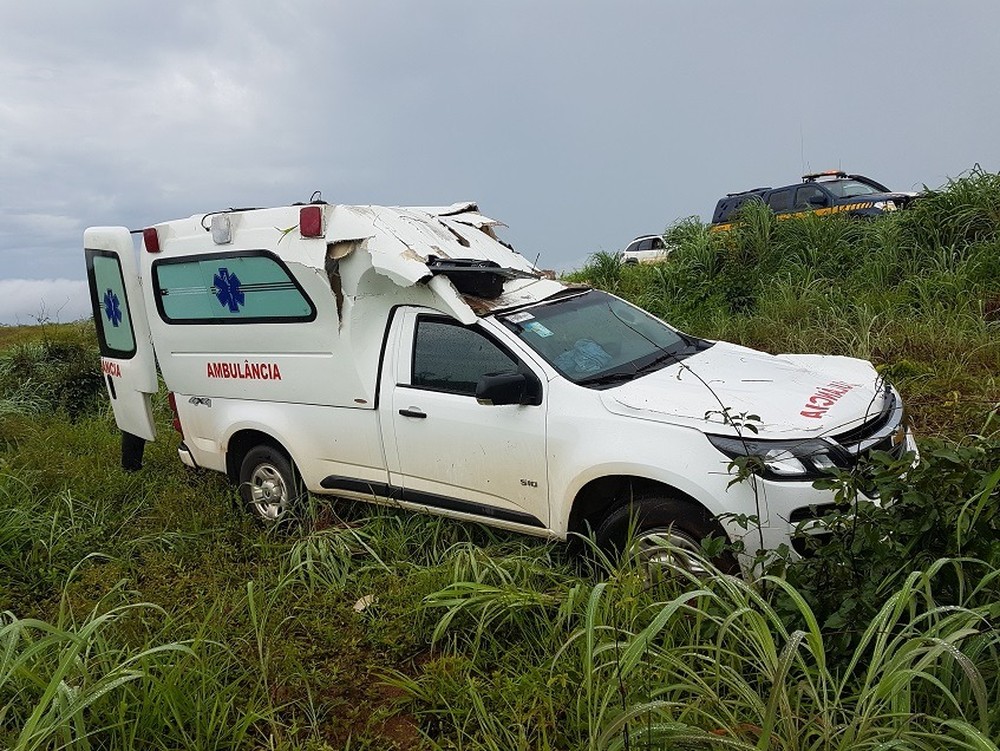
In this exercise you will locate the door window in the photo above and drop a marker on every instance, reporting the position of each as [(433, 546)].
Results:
[(780, 200), (110, 303), (241, 287), (452, 358), (807, 192)]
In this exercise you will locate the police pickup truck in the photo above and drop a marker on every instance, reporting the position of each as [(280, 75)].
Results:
[(407, 356), (820, 193)]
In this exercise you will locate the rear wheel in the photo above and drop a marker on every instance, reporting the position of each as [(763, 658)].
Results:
[(269, 485), (665, 534)]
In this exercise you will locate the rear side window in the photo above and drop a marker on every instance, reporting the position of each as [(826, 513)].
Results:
[(452, 358), (780, 200), (807, 192), (241, 287), (115, 336)]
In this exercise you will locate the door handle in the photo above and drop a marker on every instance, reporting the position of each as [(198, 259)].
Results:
[(412, 413)]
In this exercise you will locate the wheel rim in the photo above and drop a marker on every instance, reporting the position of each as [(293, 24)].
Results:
[(268, 492), (661, 551)]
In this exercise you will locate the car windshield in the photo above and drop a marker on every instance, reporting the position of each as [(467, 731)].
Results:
[(597, 340), (849, 188)]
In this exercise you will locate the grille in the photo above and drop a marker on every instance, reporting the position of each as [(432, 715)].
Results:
[(883, 433), (811, 512)]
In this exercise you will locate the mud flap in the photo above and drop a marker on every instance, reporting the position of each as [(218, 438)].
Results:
[(133, 448)]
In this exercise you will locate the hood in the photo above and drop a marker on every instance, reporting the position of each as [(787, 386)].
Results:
[(900, 198), (793, 395)]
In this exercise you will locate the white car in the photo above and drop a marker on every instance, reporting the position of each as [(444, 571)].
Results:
[(645, 249), (406, 356)]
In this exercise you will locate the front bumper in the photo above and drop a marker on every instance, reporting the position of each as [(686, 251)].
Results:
[(786, 507)]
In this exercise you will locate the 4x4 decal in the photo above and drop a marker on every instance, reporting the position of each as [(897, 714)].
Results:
[(226, 287), (112, 308)]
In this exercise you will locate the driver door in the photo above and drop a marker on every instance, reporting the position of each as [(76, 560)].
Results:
[(444, 448)]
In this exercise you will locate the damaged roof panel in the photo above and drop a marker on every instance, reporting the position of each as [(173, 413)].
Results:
[(401, 240)]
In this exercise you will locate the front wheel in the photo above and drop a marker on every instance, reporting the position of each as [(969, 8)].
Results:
[(662, 534), (269, 485)]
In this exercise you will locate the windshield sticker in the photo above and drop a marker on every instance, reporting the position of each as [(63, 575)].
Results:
[(538, 329), (520, 317), (824, 398)]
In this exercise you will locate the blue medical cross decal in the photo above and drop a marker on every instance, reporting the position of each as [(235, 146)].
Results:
[(227, 290), (112, 308)]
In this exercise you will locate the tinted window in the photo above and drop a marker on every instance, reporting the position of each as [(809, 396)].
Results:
[(780, 200), (850, 188), (803, 194), (646, 245), (450, 357), (110, 304), (244, 287)]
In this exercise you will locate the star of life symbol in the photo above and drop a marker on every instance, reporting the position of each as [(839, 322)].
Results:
[(112, 308), (227, 289)]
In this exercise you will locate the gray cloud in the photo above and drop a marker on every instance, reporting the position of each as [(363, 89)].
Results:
[(27, 301), (578, 125)]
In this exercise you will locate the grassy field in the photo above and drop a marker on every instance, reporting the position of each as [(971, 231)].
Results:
[(147, 611)]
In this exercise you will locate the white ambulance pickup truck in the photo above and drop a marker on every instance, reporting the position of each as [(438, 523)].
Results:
[(406, 356)]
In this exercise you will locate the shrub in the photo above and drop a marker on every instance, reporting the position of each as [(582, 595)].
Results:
[(50, 375)]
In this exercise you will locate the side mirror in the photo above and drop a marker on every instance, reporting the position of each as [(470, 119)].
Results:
[(818, 201), (502, 388)]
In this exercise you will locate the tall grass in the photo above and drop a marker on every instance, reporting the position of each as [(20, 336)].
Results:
[(713, 664), (114, 679)]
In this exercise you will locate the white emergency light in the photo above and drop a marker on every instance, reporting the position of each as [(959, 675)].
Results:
[(222, 229)]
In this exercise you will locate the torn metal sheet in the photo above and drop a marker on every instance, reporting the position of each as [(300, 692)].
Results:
[(452, 300), (399, 242), (516, 292)]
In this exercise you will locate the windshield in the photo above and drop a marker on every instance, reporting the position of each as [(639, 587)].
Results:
[(849, 188), (597, 340)]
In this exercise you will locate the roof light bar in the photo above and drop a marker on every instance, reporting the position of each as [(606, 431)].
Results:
[(826, 173)]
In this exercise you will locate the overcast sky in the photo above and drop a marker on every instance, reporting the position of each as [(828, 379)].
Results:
[(579, 124)]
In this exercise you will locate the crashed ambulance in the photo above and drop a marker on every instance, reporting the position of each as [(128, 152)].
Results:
[(407, 356)]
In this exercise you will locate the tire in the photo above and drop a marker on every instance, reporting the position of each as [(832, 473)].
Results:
[(270, 486), (663, 530)]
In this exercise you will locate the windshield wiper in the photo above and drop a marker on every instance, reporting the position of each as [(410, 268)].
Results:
[(608, 378), (667, 355), (628, 375)]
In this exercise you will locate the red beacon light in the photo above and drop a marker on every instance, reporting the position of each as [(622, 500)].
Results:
[(311, 221), (151, 240)]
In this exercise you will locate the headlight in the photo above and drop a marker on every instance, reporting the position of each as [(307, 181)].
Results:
[(885, 205), (782, 460)]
